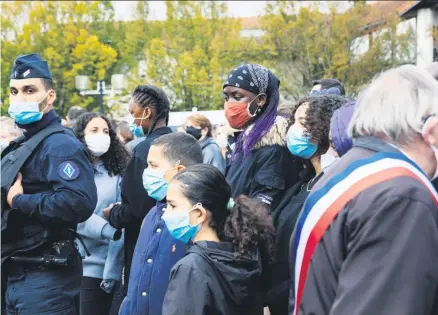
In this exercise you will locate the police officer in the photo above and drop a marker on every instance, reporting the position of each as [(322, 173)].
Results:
[(53, 192)]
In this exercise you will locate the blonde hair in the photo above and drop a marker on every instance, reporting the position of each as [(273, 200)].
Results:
[(124, 131)]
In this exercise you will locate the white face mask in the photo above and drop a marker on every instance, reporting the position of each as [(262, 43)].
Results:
[(98, 144)]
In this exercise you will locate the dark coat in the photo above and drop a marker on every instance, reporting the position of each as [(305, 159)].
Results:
[(210, 280), (58, 184), (269, 169), (379, 255), (155, 254), (285, 217), (135, 201)]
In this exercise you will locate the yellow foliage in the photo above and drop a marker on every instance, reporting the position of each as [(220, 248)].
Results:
[(190, 53), (64, 34)]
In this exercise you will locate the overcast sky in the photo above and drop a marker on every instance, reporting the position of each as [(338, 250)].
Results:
[(124, 9)]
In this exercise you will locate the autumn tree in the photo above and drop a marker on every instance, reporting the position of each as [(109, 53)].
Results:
[(191, 52), (71, 35), (194, 52), (311, 45)]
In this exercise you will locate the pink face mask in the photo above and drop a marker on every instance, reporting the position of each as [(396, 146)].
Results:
[(238, 114)]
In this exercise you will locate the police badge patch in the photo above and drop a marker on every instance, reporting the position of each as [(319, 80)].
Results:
[(68, 170)]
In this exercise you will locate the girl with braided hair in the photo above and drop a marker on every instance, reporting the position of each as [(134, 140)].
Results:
[(149, 107), (261, 166)]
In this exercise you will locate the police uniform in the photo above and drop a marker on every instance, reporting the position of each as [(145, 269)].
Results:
[(59, 192)]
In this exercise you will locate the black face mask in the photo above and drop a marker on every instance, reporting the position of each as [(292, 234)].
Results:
[(196, 133)]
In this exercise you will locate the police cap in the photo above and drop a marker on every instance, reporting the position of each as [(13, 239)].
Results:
[(30, 66)]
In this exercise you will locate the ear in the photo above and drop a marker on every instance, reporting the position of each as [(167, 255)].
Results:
[(204, 132), (202, 215), (147, 113), (180, 167), (51, 97), (261, 100), (430, 131)]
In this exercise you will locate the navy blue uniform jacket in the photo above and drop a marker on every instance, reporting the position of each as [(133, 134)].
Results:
[(58, 182)]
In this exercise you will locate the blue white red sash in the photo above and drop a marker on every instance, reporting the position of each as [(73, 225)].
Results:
[(322, 206)]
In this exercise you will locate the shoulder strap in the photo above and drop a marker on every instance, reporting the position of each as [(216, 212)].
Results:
[(13, 161), (13, 145), (322, 206)]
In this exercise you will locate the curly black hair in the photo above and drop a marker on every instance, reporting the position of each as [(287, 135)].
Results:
[(152, 96), (248, 225), (117, 157), (318, 116)]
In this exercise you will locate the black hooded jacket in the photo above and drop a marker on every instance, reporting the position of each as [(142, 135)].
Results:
[(209, 280), (268, 171)]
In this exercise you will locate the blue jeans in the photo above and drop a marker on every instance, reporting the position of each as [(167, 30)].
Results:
[(43, 290)]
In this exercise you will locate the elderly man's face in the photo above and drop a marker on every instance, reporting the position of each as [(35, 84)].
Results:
[(430, 134)]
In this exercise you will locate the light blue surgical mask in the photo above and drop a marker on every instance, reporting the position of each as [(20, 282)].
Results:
[(298, 144), (137, 130), (25, 113), (178, 224), (154, 183)]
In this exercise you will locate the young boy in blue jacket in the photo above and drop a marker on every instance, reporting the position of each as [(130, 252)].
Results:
[(156, 251)]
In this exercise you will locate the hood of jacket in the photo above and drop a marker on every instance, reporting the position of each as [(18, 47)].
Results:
[(339, 128), (275, 136), (206, 142), (239, 277)]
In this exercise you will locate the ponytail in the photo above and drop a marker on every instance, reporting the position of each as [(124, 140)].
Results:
[(249, 227), (245, 223)]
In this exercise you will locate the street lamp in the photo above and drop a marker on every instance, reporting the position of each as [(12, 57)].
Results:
[(118, 83)]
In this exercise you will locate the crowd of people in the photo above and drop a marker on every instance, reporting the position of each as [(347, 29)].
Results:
[(326, 205)]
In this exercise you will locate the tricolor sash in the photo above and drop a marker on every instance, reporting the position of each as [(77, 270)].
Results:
[(322, 206)]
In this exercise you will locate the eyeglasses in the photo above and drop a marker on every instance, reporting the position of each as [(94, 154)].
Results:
[(428, 116)]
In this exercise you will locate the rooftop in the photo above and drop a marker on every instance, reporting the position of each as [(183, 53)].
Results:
[(398, 7), (382, 10), (251, 23)]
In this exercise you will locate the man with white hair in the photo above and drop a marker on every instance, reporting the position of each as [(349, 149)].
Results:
[(366, 241), (8, 131), (433, 70)]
